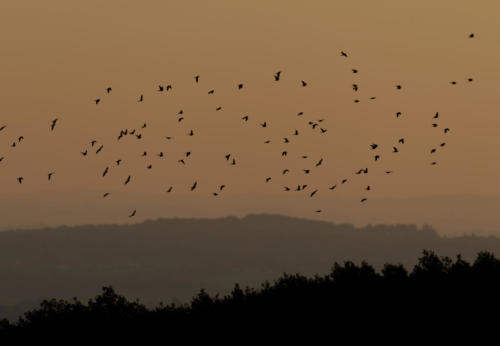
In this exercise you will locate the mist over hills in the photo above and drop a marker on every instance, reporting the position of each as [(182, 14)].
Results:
[(172, 259)]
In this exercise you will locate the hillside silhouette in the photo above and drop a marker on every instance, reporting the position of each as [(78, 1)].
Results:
[(169, 260), (350, 300)]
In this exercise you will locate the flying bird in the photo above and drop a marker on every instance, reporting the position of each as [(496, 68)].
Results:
[(106, 194), (133, 213), (20, 180), (355, 87), (363, 200), (128, 180), (303, 83), (53, 124), (240, 86), (374, 146), (313, 193), (99, 149), (49, 176), (277, 76), (194, 185), (170, 189), (108, 90), (97, 101), (268, 179), (344, 54), (319, 162), (446, 130), (141, 98), (197, 78), (105, 172)]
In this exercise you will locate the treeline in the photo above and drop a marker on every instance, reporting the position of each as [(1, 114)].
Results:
[(438, 291)]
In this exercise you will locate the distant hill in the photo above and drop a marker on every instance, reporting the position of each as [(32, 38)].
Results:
[(172, 259)]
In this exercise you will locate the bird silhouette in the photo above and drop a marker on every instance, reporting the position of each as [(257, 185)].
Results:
[(160, 88), (307, 171), (374, 146), (285, 171), (398, 114), (377, 157), (191, 133), (194, 186), (197, 78), (343, 181), (264, 124), (401, 140), (368, 188), (218, 108), (395, 150), (170, 189), (49, 176), (442, 144), (53, 124), (354, 70), (99, 149), (97, 101), (245, 118), (210, 92), (363, 200), (313, 193), (433, 151), (303, 83), (277, 76), (168, 87), (20, 180), (344, 54), (92, 143), (332, 187), (84, 153), (300, 113), (106, 194), (434, 125), (240, 86), (286, 188), (160, 154), (133, 213), (453, 82), (268, 179), (128, 180), (355, 87), (436, 115), (108, 90), (149, 166), (446, 130), (118, 162), (469, 79), (105, 172), (3, 127), (319, 162), (141, 98), (398, 87), (471, 35)]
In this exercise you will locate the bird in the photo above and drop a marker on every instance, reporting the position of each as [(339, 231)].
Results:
[(398, 86), (434, 125), (181, 161), (2, 158), (168, 87), (144, 154), (84, 153), (194, 186), (49, 176), (141, 98), (453, 82), (398, 114), (233, 163), (344, 54), (296, 133), (368, 188), (372, 98), (92, 143), (277, 76), (307, 171), (160, 88), (374, 146), (267, 142), (105, 171), (401, 140), (433, 150), (285, 140), (356, 101), (319, 162), (227, 157), (191, 133), (160, 154), (343, 181), (446, 130), (218, 108), (106, 194), (3, 127), (118, 162), (442, 144), (180, 112), (13, 145), (149, 166), (469, 79), (245, 118), (268, 179), (197, 78), (303, 83), (286, 188), (433, 163), (180, 119), (332, 187), (20, 138), (143, 126), (395, 150), (318, 211), (264, 124), (133, 213), (240, 86), (377, 157), (355, 87), (323, 130), (211, 92), (188, 153), (20, 180), (300, 113), (222, 187), (285, 171), (436, 115), (388, 172), (471, 35), (354, 70), (363, 200), (99, 149), (215, 194), (313, 193), (53, 124), (170, 189), (97, 101), (108, 89), (128, 180)]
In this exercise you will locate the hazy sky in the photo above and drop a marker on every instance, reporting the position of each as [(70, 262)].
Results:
[(58, 56)]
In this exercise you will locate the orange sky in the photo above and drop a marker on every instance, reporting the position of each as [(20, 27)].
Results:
[(58, 56)]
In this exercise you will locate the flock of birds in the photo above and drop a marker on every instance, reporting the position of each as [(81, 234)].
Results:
[(374, 147)]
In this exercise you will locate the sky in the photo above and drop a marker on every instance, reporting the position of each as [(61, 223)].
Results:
[(59, 56)]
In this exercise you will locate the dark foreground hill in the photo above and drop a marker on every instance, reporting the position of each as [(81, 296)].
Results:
[(449, 296), (171, 259)]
